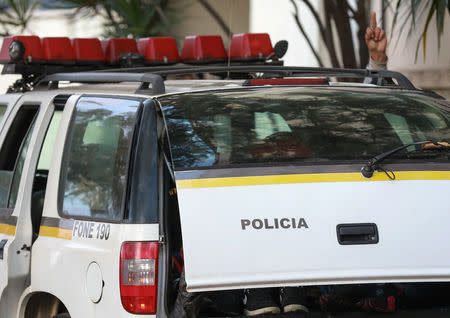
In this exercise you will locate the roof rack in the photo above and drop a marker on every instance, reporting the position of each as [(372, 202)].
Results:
[(152, 82)]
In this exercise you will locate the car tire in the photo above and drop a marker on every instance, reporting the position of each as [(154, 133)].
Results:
[(62, 315)]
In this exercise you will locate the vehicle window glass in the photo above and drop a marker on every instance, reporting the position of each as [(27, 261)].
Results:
[(288, 124), (268, 123), (96, 157), (18, 169), (2, 112), (13, 153), (50, 137)]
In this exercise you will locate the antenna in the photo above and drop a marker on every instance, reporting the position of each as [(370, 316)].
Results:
[(230, 19)]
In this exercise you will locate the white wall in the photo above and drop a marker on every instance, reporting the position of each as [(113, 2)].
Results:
[(431, 72), (275, 18)]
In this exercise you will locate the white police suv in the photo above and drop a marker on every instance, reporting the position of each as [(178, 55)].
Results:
[(121, 173)]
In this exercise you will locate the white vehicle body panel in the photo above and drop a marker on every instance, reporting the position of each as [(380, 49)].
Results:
[(17, 258), (60, 257), (412, 217)]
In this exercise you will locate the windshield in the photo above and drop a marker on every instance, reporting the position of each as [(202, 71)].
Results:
[(291, 124)]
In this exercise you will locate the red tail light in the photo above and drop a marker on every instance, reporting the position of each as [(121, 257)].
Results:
[(139, 277), (286, 81)]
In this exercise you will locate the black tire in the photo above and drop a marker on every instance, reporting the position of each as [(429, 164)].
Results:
[(62, 315)]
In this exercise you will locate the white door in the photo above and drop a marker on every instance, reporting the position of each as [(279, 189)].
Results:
[(20, 142), (303, 228)]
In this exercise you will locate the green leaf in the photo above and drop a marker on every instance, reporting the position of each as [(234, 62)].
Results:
[(424, 34)]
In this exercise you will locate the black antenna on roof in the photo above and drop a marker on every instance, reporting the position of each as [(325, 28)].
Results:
[(230, 34)]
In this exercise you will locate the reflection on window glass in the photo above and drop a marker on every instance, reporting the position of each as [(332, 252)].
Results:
[(18, 169), (13, 154), (97, 157), (2, 112), (49, 142), (287, 124)]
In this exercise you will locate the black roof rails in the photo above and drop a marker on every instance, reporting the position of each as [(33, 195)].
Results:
[(154, 75), (146, 79), (383, 77)]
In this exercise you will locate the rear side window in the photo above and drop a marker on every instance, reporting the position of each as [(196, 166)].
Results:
[(96, 158), (13, 153), (2, 112)]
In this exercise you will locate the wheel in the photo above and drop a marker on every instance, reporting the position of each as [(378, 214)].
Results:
[(62, 315)]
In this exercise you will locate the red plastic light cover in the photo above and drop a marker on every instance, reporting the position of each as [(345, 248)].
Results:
[(250, 46), (203, 48), (57, 49), (159, 50), (33, 48), (87, 50), (114, 48), (138, 295), (286, 81)]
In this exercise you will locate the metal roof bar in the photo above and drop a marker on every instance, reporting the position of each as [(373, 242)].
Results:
[(287, 71), (156, 81), (154, 75)]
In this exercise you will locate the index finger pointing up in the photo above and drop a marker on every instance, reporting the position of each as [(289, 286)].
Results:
[(373, 19)]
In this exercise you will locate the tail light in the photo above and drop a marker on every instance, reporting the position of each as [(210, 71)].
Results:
[(139, 277)]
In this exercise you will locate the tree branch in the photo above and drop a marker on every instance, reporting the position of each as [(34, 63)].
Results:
[(302, 30), (216, 17), (344, 31)]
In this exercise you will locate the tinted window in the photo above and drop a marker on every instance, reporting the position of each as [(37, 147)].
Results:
[(2, 112), (13, 153), (299, 124), (96, 157)]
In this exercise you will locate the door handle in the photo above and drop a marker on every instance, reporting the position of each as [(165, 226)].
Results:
[(357, 233), (2, 247)]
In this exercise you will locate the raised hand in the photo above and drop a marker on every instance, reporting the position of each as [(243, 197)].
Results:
[(376, 41)]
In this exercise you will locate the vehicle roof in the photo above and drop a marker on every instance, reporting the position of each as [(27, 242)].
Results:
[(182, 86)]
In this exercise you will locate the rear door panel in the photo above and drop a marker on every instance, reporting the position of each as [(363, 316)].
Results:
[(234, 236)]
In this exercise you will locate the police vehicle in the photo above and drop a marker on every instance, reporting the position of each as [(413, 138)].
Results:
[(124, 165)]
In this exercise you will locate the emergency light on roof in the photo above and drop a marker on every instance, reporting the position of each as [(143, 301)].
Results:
[(115, 48), (57, 50), (159, 50), (88, 51), (24, 47), (246, 46), (203, 49)]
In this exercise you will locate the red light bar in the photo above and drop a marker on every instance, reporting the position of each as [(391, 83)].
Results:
[(250, 46), (159, 50), (286, 81), (33, 49), (114, 48), (203, 49), (88, 51), (57, 49)]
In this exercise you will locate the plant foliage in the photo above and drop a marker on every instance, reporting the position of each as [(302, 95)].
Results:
[(417, 11), (16, 14), (137, 18)]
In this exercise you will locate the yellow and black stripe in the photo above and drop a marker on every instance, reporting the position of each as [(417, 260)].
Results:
[(289, 175), (8, 224), (56, 227)]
